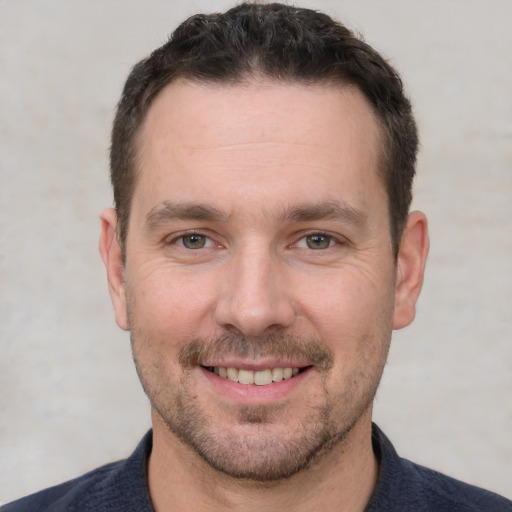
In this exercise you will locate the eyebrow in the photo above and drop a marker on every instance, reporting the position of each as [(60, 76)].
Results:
[(335, 210), (167, 211), (303, 212)]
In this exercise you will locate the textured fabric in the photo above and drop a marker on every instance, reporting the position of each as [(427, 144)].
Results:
[(117, 487), (401, 487)]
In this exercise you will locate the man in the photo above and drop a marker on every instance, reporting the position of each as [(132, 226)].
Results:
[(260, 253)]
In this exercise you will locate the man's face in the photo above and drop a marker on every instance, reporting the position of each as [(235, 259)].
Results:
[(259, 245)]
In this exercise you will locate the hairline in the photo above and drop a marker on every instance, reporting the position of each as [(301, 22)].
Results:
[(258, 77)]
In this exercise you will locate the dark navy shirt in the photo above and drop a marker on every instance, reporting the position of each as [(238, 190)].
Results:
[(401, 487)]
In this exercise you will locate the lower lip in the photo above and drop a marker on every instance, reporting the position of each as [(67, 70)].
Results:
[(251, 394)]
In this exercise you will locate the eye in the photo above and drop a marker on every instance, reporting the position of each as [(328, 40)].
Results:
[(194, 241), (316, 241)]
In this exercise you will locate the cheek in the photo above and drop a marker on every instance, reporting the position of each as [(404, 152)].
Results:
[(347, 299), (351, 314), (168, 306)]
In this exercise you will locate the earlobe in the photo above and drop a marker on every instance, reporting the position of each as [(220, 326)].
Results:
[(112, 257), (412, 257)]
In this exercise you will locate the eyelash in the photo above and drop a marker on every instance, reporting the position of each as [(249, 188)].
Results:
[(332, 240), (179, 240), (209, 242)]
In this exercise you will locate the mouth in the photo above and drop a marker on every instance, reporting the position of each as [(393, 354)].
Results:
[(262, 377)]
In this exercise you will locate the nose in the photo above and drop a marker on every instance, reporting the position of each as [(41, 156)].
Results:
[(254, 298)]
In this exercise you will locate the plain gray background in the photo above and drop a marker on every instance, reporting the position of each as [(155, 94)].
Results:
[(69, 396)]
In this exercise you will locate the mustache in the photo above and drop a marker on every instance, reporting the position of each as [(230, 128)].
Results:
[(202, 350)]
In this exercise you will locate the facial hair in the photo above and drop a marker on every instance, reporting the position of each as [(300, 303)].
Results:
[(255, 444)]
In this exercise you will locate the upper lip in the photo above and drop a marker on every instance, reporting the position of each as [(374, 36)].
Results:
[(262, 364)]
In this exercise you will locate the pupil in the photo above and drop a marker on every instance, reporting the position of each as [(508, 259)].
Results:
[(318, 241), (194, 241)]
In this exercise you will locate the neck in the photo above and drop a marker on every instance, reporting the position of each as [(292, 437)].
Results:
[(341, 479)]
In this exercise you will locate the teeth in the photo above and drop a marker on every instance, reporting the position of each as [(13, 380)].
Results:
[(260, 377), (233, 374), (245, 377), (263, 377), (277, 374)]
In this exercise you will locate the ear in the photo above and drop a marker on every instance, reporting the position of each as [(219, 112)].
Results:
[(112, 257), (412, 257)]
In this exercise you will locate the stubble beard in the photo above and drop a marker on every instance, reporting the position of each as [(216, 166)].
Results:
[(259, 447)]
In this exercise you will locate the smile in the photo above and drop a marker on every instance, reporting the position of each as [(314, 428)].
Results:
[(258, 377)]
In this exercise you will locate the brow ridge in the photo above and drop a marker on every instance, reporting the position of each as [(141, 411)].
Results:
[(323, 211), (168, 211), (301, 212)]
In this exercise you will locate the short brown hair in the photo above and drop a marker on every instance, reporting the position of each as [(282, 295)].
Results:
[(284, 43)]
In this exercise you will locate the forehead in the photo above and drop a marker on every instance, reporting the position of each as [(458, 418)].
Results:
[(300, 138), (204, 110)]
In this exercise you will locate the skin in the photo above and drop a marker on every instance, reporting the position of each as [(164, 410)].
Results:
[(257, 171)]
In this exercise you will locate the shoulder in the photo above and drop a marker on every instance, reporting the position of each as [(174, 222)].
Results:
[(116, 487), (404, 486), (63, 496), (444, 493)]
